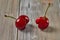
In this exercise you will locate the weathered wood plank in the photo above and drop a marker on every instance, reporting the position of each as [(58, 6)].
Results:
[(32, 32), (7, 25), (37, 9)]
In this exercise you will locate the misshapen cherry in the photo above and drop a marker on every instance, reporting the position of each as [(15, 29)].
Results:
[(43, 23), (21, 22)]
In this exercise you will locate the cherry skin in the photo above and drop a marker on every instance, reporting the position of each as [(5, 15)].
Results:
[(42, 22), (21, 22), (37, 20)]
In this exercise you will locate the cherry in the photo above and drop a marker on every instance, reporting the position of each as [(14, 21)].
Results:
[(43, 23), (21, 22)]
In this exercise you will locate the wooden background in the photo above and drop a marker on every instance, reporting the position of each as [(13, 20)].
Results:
[(36, 9)]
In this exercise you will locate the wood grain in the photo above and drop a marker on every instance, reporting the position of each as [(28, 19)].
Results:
[(7, 25), (33, 9)]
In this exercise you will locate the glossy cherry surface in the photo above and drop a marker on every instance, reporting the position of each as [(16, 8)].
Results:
[(42, 22), (21, 22)]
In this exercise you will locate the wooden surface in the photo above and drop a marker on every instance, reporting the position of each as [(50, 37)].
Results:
[(8, 30)]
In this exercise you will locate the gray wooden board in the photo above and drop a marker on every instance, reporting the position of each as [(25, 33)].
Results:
[(8, 30)]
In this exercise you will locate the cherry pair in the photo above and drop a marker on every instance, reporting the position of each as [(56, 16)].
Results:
[(42, 22), (22, 21)]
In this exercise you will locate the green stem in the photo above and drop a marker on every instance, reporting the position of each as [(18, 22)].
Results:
[(9, 17), (47, 10)]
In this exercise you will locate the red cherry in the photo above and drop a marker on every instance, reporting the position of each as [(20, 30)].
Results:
[(21, 22), (43, 23), (24, 17)]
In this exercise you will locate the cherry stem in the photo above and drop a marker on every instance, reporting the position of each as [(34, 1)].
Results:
[(47, 9), (13, 18), (10, 17)]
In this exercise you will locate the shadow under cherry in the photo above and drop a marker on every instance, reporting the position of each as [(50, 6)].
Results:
[(50, 29), (29, 28)]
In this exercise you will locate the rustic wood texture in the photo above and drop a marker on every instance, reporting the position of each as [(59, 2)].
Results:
[(34, 9), (7, 25)]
